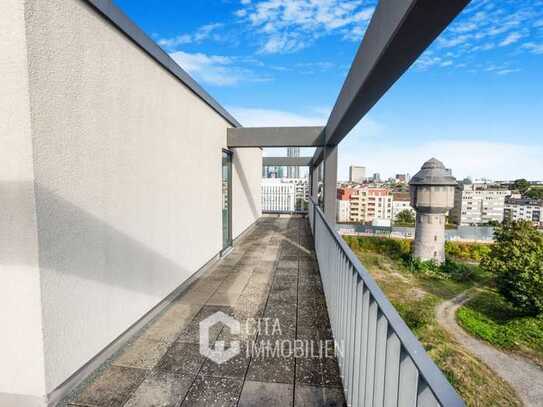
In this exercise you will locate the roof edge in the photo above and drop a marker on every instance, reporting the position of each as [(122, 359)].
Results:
[(121, 21)]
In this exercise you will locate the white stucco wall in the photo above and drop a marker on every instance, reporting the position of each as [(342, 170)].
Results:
[(127, 169), (246, 189), (21, 344)]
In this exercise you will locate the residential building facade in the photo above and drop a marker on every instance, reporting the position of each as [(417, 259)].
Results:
[(478, 203), (524, 209), (301, 192), (344, 204), (401, 201), (369, 203)]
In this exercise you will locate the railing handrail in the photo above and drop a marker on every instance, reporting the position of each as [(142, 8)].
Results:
[(434, 377)]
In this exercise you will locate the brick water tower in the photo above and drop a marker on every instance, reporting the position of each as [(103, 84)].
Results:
[(432, 196)]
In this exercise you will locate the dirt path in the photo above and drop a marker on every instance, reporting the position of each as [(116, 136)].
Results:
[(524, 376)]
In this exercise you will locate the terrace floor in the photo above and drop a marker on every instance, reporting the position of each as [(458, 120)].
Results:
[(270, 283)]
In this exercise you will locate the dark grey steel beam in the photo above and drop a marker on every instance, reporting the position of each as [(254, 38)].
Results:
[(286, 161), (318, 156), (400, 30), (275, 137), (330, 183), (121, 21)]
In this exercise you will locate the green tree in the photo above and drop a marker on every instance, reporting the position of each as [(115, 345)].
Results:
[(406, 216), (535, 193), (517, 260), (521, 184)]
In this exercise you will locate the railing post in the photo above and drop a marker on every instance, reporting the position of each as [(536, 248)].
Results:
[(314, 171)]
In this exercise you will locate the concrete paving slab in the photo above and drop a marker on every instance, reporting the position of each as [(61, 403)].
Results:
[(161, 389), (259, 394)]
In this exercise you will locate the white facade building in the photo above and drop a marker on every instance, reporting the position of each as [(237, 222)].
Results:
[(278, 195), (476, 204), (301, 192), (524, 209), (343, 210), (357, 174), (401, 201)]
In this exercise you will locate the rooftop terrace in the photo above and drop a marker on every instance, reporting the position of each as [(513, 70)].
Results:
[(270, 273)]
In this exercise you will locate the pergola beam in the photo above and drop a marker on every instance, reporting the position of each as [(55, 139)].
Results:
[(275, 137), (286, 161)]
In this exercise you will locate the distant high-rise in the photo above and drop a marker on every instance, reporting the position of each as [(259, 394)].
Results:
[(293, 172), (376, 177), (357, 174)]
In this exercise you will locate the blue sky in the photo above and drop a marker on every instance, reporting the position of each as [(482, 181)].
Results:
[(474, 99)]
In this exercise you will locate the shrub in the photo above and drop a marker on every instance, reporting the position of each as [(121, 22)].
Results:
[(517, 260), (416, 314), (458, 271), (429, 267), (467, 251)]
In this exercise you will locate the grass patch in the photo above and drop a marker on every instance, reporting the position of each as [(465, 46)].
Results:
[(415, 296), (489, 317)]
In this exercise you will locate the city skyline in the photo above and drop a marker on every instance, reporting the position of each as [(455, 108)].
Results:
[(476, 92)]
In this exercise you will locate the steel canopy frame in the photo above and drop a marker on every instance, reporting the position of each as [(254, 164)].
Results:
[(399, 31), (275, 137)]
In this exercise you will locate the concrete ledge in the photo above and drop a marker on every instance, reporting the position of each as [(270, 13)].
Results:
[(20, 400)]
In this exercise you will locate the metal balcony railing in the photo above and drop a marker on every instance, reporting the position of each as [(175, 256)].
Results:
[(381, 362)]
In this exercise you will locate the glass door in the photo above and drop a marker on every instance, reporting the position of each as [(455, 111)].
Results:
[(226, 199)]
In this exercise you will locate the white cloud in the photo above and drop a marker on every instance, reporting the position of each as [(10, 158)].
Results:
[(483, 26), (257, 117), (511, 39), (533, 47), (462, 156), (215, 69), (507, 71), (201, 34), (290, 25), (175, 41), (366, 145)]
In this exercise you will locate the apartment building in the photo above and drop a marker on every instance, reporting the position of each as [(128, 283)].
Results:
[(343, 206), (478, 203), (400, 202), (301, 191), (524, 209), (369, 203)]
